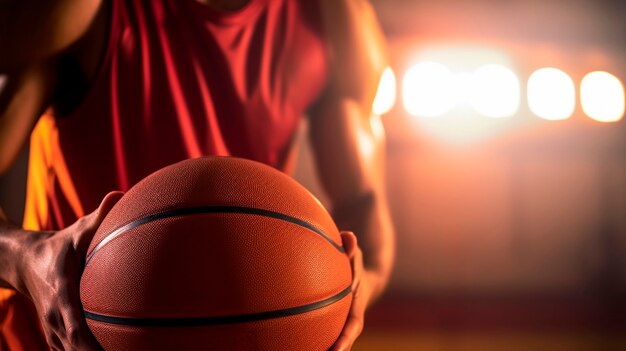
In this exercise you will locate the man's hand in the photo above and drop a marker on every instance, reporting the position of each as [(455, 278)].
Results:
[(360, 295), (52, 266)]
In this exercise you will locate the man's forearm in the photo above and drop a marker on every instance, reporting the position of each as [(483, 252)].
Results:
[(368, 217)]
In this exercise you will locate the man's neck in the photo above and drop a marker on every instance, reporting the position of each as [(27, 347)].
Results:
[(225, 5)]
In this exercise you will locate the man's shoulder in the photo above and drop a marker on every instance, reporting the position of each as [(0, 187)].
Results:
[(33, 30), (357, 46)]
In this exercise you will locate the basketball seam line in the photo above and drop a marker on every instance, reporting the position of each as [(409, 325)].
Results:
[(208, 210), (221, 320)]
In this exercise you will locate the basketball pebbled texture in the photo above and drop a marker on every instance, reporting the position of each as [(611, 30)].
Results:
[(217, 261)]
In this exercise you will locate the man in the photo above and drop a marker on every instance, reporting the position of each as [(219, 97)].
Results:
[(110, 91)]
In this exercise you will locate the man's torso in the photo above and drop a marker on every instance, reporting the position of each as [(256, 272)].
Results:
[(176, 79)]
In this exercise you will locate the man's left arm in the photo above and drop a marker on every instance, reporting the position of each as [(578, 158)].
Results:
[(348, 144)]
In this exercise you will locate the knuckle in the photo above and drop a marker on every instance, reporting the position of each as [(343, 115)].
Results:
[(74, 336), (358, 253), (63, 299), (53, 341), (81, 222), (84, 222), (358, 326), (51, 319)]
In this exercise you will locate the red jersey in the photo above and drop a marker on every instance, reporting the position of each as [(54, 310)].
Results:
[(178, 80)]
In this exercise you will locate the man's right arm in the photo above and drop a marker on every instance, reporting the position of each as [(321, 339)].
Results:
[(34, 37), (24, 97), (34, 31)]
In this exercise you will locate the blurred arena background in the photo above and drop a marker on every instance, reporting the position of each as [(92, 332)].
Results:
[(508, 193)]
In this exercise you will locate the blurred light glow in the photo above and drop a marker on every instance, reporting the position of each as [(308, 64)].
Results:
[(386, 93), (551, 94), (428, 89), (495, 91), (602, 97), (463, 87), (368, 139)]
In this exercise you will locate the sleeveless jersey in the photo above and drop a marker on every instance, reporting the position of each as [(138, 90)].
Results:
[(179, 80)]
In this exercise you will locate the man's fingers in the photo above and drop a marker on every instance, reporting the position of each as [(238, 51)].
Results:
[(342, 344), (349, 243), (92, 221), (78, 334), (353, 329), (95, 218), (55, 342), (354, 325), (77, 331), (351, 247), (357, 270), (72, 328), (107, 204), (350, 332), (54, 328)]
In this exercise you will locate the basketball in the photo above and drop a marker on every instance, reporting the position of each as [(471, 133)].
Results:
[(217, 253)]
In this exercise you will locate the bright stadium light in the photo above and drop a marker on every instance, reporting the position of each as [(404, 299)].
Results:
[(602, 97), (428, 90), (496, 91), (386, 93), (463, 87), (551, 94)]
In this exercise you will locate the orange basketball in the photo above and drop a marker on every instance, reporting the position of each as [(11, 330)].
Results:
[(217, 253)]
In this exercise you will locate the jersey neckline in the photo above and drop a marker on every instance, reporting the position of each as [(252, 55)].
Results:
[(228, 17)]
